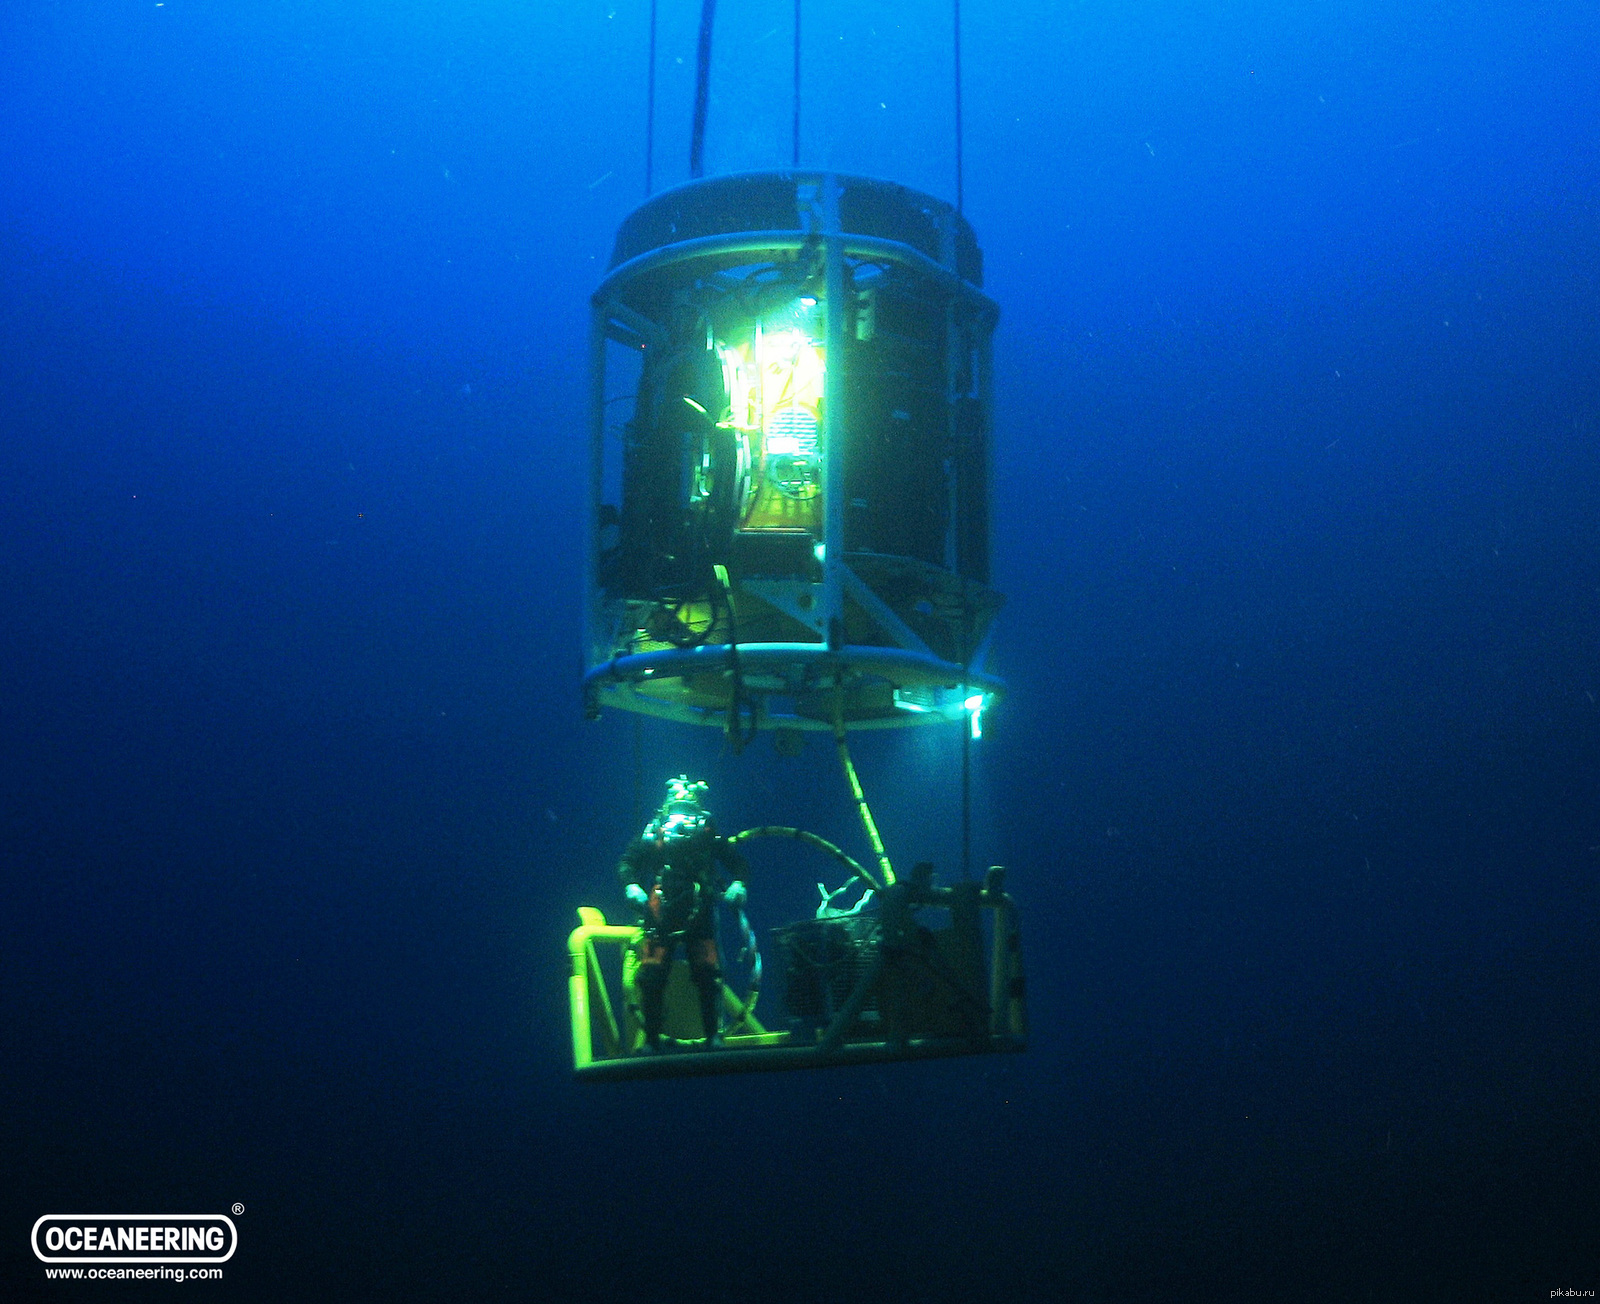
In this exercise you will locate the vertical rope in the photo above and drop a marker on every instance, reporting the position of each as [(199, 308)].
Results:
[(960, 196), (650, 111), (702, 89), (638, 772), (966, 796), (737, 705), (796, 159), (966, 737)]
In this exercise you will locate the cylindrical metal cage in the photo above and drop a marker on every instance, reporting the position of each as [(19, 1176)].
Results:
[(789, 477)]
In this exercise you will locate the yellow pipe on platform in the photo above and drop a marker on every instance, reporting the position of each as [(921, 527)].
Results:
[(862, 808), (579, 943)]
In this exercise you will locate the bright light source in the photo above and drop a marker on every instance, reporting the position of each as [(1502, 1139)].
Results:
[(781, 348), (918, 700), (974, 707), (774, 381), (792, 432)]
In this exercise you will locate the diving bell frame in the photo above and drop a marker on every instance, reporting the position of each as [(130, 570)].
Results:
[(788, 522)]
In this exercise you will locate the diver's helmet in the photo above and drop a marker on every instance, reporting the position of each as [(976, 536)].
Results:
[(681, 814)]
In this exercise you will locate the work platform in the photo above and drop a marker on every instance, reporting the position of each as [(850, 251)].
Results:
[(861, 988)]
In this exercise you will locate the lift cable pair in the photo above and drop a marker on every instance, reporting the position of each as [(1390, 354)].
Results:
[(702, 97), (702, 93)]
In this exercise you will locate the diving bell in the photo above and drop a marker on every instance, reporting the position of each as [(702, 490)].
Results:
[(789, 521)]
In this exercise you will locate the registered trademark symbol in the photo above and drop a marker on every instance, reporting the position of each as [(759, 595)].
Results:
[(238, 1209)]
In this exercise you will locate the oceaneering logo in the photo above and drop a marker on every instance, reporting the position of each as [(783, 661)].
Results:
[(134, 1238)]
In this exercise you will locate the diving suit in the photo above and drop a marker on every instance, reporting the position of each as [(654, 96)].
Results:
[(671, 874)]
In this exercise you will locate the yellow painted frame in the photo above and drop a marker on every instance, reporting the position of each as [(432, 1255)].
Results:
[(588, 994)]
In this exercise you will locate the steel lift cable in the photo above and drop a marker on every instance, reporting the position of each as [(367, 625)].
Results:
[(966, 797), (650, 111), (960, 197), (796, 155), (638, 772), (702, 89), (966, 740)]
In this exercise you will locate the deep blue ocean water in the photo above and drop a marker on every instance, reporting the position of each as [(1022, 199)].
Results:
[(1297, 505)]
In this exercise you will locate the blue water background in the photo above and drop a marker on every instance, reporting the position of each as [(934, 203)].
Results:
[(1297, 503)]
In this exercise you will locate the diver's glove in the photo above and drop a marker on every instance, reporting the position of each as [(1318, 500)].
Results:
[(637, 895), (736, 895)]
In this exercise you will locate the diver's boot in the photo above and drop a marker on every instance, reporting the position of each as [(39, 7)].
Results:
[(653, 1003), (710, 995)]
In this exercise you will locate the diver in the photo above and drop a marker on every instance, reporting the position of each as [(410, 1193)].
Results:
[(670, 875)]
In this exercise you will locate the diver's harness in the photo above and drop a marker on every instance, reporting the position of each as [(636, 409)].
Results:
[(687, 887), (682, 899), (684, 896)]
